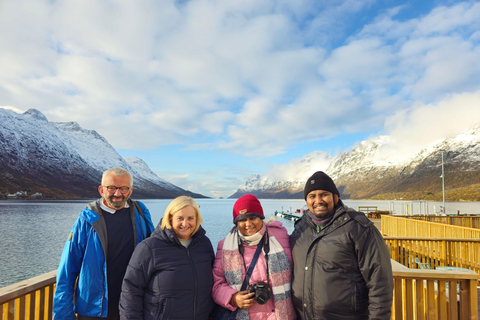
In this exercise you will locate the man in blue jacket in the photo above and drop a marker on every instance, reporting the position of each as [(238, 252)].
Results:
[(97, 252)]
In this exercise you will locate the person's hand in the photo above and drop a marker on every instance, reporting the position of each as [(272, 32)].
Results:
[(243, 299)]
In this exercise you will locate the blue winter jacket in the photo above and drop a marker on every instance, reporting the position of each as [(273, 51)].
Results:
[(82, 274), (165, 280)]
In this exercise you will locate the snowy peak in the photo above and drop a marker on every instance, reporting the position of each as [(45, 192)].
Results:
[(378, 167), (35, 114), (285, 181), (44, 156)]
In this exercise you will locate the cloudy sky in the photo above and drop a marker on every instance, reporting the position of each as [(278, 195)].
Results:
[(208, 92)]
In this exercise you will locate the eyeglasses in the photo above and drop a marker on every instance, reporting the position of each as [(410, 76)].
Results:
[(113, 189)]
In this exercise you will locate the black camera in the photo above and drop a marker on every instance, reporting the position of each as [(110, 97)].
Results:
[(262, 291)]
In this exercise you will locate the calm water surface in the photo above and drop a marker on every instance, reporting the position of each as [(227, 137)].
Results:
[(32, 234)]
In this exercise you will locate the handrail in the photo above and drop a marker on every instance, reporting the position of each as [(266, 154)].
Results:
[(434, 243), (462, 253), (423, 293), (28, 299), (394, 226), (461, 221)]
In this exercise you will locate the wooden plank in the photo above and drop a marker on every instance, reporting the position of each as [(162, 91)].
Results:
[(430, 299), (442, 301), (409, 306), (33, 304), (28, 313), (41, 303), (51, 290), (11, 310), (397, 299), (473, 299), (20, 308), (453, 300), (420, 299), (22, 288)]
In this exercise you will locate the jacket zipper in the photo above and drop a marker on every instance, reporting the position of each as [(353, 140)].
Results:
[(196, 284)]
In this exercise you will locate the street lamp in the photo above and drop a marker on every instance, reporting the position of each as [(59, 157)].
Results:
[(443, 182)]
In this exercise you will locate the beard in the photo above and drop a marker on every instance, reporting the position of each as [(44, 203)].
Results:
[(323, 213), (116, 204)]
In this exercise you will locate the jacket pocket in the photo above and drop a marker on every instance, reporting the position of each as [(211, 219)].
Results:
[(164, 309), (360, 299)]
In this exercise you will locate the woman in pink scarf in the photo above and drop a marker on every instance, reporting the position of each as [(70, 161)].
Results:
[(234, 256)]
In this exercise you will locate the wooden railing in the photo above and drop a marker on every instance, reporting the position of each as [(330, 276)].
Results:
[(29, 299), (431, 294), (461, 253), (418, 294), (394, 226), (461, 221)]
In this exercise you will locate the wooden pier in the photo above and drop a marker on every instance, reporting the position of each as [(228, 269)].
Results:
[(418, 294)]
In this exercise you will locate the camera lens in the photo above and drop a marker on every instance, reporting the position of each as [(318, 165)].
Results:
[(262, 292)]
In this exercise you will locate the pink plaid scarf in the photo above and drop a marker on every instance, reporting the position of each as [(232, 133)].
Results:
[(279, 271)]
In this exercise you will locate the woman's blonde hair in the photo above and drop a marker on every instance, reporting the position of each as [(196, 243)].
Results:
[(176, 205)]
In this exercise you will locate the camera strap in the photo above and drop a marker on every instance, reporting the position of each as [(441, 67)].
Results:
[(250, 269), (252, 264), (267, 250)]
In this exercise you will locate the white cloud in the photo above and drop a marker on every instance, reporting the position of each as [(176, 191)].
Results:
[(413, 129), (12, 108), (301, 167), (248, 76)]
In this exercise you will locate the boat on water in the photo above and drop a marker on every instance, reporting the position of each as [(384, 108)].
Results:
[(290, 215)]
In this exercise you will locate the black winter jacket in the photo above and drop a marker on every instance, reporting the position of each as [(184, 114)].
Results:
[(165, 280), (342, 271)]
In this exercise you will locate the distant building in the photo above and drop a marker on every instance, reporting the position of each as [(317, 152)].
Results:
[(12, 196)]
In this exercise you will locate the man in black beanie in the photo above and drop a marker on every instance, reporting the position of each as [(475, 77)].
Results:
[(342, 267)]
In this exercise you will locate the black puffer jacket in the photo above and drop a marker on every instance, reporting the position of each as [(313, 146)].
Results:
[(342, 271), (165, 280)]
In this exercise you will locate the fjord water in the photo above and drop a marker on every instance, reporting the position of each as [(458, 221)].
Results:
[(33, 233)]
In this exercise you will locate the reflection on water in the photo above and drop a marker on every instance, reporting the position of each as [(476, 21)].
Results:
[(32, 234)]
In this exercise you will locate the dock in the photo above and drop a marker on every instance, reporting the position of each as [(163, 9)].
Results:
[(292, 216)]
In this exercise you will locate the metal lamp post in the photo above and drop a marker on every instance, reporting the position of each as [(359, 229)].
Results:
[(443, 183)]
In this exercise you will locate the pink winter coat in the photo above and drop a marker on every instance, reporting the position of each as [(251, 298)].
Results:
[(222, 292)]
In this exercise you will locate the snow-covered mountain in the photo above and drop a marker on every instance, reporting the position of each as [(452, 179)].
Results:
[(283, 181), (63, 160), (375, 169)]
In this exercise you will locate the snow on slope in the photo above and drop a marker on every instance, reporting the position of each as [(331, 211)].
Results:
[(67, 142), (143, 170), (378, 152)]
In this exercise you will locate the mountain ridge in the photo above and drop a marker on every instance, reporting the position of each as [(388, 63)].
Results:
[(62, 160), (367, 172)]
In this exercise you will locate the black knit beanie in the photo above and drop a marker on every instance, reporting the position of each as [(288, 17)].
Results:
[(320, 181)]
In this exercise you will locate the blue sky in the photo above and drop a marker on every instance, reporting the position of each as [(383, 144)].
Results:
[(210, 92)]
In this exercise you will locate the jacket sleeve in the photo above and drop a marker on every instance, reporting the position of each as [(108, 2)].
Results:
[(68, 271), (137, 278), (376, 268), (147, 223), (222, 293)]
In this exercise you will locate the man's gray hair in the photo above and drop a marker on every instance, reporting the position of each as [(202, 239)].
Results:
[(118, 172)]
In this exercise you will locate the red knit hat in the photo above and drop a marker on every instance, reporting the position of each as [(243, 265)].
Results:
[(247, 206)]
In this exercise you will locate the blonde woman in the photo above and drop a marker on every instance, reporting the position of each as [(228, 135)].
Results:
[(170, 273)]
